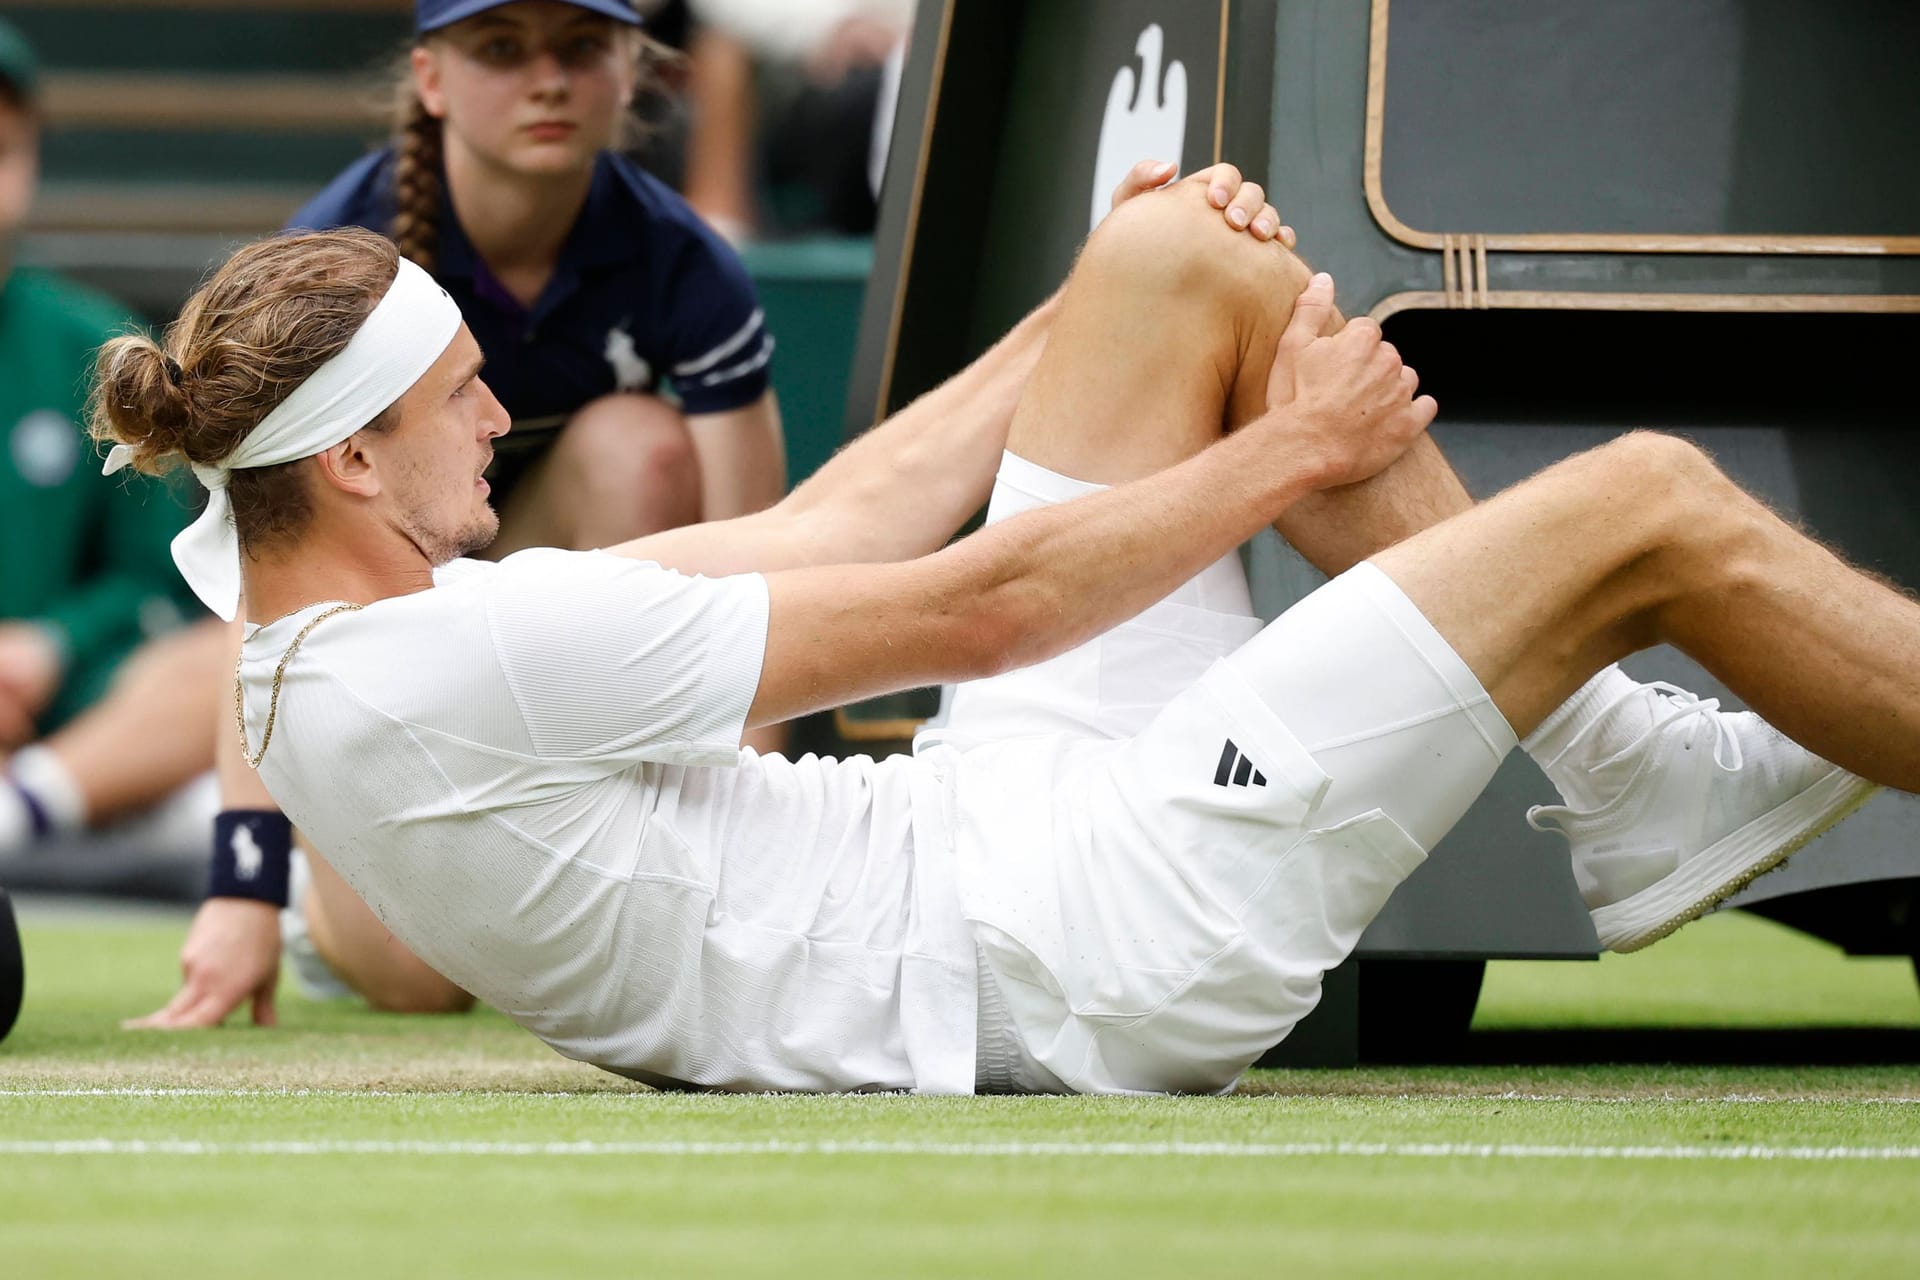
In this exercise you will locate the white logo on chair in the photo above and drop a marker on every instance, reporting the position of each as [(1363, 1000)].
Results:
[(247, 855), (631, 372), (1146, 119)]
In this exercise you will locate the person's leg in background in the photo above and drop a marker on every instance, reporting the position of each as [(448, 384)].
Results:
[(140, 744), (359, 951), (622, 467)]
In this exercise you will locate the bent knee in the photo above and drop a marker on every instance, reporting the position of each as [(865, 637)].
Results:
[(622, 440), (1177, 239), (1653, 460)]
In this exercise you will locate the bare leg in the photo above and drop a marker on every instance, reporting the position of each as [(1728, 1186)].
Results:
[(623, 467), (149, 735), (1336, 529), (1645, 541), (1144, 355), (1210, 306), (366, 956), (719, 178)]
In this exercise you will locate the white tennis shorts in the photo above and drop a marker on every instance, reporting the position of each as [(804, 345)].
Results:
[(1166, 837)]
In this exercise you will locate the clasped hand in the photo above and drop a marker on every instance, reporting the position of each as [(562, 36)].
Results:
[(1345, 398)]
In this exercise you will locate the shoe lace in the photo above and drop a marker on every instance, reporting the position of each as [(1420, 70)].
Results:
[(1681, 704)]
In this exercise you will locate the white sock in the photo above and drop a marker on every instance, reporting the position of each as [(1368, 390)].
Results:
[(1604, 710), (16, 823), (39, 773)]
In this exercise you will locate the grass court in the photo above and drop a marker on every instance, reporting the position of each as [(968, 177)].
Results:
[(356, 1144)]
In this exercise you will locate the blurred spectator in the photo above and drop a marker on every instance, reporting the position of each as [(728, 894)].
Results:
[(87, 736), (797, 91)]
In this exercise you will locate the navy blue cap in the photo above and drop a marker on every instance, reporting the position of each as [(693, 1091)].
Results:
[(431, 15)]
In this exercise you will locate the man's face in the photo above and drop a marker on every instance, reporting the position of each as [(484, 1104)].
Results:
[(431, 463), (19, 164)]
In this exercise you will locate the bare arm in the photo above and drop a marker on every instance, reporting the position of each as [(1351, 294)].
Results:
[(743, 470), (905, 487), (721, 92), (899, 491), (1019, 591), (1034, 586)]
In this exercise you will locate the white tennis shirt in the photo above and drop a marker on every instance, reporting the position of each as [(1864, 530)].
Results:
[(532, 774)]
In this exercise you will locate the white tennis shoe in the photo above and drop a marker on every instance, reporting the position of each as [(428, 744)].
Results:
[(1690, 812)]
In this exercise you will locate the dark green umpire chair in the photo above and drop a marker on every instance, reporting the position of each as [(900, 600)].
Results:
[(1706, 220)]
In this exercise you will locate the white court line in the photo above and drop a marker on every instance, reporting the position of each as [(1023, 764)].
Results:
[(1250, 1150), (206, 1093), (1744, 1099)]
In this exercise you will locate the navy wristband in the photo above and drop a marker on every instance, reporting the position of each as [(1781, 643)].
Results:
[(252, 853)]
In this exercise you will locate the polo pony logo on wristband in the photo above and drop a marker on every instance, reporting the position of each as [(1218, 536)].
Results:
[(247, 854), (252, 856)]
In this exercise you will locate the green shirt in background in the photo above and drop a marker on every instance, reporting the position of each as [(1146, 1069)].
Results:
[(82, 553)]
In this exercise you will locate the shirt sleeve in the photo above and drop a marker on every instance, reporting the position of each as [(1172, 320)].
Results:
[(721, 353), (614, 658)]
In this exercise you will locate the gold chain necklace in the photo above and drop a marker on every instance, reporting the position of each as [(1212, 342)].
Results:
[(279, 673)]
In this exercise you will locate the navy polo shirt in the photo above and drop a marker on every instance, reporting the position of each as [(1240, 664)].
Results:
[(644, 292)]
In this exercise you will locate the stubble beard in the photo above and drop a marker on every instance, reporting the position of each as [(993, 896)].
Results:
[(443, 545), (478, 536)]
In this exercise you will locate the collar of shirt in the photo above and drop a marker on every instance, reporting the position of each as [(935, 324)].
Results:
[(602, 236)]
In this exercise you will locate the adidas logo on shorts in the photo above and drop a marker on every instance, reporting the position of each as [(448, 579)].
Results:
[(1236, 770)]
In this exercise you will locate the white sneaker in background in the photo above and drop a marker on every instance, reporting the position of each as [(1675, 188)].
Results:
[(1689, 812), (311, 973), (16, 821)]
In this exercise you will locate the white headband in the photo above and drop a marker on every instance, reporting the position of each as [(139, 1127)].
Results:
[(410, 329)]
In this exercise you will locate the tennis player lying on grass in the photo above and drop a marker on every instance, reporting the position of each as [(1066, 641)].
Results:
[(1152, 824)]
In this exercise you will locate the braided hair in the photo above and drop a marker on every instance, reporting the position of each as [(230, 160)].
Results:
[(417, 156)]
